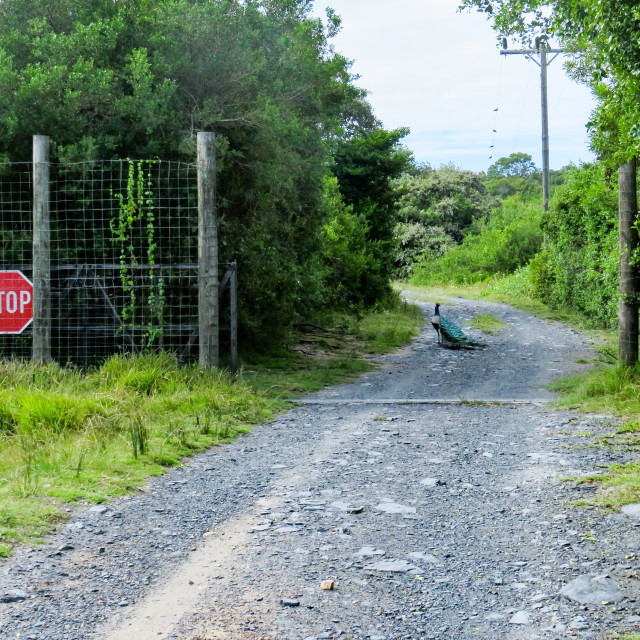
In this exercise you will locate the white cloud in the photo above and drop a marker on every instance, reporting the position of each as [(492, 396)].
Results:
[(439, 72)]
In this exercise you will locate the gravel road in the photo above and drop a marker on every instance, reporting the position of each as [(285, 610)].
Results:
[(429, 517)]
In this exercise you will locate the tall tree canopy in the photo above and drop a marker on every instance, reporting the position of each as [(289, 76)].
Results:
[(517, 165), (365, 165), (138, 78)]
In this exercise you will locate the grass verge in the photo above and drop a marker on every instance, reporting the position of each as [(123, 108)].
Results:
[(608, 388), (334, 350), (73, 437), (618, 484)]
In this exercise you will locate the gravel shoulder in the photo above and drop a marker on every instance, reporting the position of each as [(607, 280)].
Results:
[(433, 520)]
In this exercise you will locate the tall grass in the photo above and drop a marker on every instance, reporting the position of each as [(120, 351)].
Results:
[(67, 436), (610, 389)]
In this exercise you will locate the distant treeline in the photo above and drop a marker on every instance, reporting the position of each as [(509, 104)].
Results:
[(458, 227)]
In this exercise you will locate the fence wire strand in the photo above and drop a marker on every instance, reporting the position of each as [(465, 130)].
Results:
[(124, 243)]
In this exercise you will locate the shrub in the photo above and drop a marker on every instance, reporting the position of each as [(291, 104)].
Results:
[(579, 268), (518, 284), (510, 238)]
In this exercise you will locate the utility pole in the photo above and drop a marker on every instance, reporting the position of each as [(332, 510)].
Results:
[(629, 276), (543, 51)]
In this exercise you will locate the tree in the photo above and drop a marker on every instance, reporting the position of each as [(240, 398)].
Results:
[(450, 198), (517, 165), (437, 207), (514, 174), (365, 166)]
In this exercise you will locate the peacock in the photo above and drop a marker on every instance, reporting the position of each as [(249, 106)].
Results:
[(450, 334)]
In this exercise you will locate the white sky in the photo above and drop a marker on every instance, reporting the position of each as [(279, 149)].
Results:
[(439, 73)]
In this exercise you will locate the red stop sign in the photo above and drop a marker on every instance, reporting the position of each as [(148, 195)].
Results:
[(16, 302)]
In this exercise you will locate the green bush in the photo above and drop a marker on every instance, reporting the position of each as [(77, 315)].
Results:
[(508, 240), (579, 268), (541, 275), (517, 284), (413, 240), (346, 254)]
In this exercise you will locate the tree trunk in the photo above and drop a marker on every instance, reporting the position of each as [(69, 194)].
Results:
[(628, 315)]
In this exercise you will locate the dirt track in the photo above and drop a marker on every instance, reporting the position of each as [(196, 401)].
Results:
[(435, 520)]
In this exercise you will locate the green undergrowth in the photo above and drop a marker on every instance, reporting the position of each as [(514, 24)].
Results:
[(68, 436), (607, 388)]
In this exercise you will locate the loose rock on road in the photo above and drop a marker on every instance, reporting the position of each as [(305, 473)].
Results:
[(375, 511)]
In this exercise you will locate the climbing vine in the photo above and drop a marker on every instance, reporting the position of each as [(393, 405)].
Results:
[(136, 209)]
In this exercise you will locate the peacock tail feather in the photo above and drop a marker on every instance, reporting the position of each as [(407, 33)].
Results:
[(453, 334)]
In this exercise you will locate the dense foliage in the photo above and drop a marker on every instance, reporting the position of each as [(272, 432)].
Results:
[(437, 207), (365, 166), (566, 257), (516, 173), (137, 79), (507, 240), (579, 267)]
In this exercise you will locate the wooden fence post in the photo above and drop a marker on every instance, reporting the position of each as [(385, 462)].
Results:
[(208, 313), (41, 350), (233, 295), (628, 310)]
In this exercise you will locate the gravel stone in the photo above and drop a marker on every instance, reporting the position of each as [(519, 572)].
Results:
[(521, 617), (592, 589), (393, 566), (393, 507), (632, 510), (13, 595)]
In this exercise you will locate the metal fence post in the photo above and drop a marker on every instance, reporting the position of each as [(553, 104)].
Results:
[(208, 312), (41, 350)]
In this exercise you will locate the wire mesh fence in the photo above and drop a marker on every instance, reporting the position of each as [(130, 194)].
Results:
[(124, 256), (16, 232)]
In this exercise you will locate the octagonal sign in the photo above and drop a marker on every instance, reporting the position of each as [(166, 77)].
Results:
[(16, 302)]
